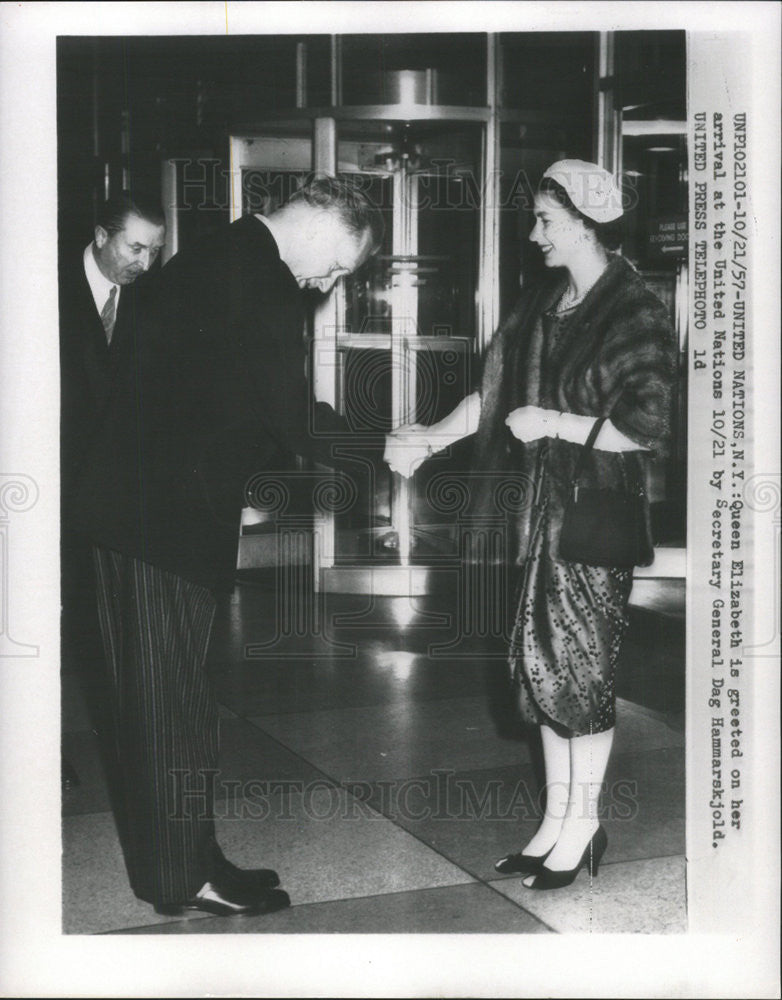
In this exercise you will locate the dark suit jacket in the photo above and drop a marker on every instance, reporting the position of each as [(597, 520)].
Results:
[(88, 368), (216, 387), (88, 365)]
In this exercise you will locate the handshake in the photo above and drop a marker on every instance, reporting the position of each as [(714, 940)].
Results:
[(407, 448), (410, 445)]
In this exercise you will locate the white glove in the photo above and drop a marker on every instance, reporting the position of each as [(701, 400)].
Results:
[(407, 448), (531, 423)]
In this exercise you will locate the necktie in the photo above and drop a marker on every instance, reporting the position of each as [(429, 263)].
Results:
[(109, 313)]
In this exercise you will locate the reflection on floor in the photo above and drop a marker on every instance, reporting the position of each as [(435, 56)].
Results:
[(370, 755)]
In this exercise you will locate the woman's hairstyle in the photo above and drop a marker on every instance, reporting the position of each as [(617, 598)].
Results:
[(357, 213), (609, 234)]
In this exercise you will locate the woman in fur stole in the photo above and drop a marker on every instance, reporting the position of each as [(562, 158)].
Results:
[(590, 341)]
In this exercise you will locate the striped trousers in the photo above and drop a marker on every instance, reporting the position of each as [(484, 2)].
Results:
[(155, 628)]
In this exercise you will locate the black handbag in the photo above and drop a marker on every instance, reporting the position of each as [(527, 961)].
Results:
[(605, 527)]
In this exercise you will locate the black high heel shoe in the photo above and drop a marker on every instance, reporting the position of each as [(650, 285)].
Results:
[(547, 878), (522, 864)]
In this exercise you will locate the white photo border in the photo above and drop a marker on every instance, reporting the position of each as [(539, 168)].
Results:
[(738, 957)]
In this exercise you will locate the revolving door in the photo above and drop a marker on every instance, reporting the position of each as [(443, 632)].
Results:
[(397, 342)]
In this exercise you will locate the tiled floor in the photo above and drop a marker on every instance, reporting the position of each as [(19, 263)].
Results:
[(382, 779)]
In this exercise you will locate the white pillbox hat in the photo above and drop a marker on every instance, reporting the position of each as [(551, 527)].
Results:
[(592, 189)]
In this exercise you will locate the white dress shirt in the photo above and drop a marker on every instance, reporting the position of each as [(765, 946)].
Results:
[(100, 286)]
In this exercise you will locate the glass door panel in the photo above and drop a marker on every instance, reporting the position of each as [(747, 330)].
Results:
[(406, 348), (653, 160), (265, 170), (394, 343)]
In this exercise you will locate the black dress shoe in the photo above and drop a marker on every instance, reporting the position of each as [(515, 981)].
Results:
[(521, 864), (228, 900), (253, 879), (549, 878)]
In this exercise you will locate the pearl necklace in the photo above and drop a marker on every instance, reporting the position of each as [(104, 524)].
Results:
[(568, 300)]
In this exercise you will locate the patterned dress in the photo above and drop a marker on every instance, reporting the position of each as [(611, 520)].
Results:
[(612, 354), (570, 618)]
